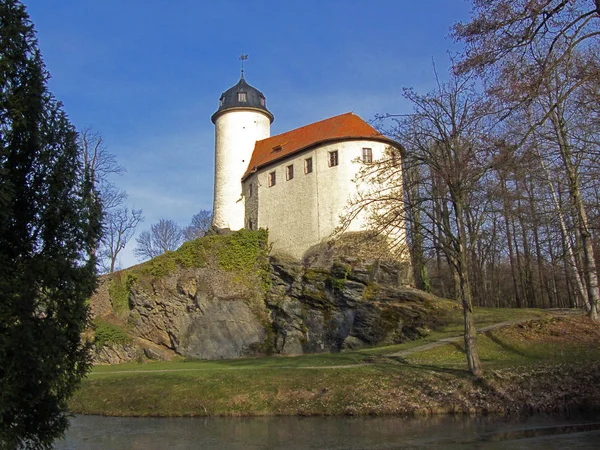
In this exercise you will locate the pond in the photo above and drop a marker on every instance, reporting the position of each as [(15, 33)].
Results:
[(348, 433)]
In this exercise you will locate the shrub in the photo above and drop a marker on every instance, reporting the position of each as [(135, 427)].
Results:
[(106, 333), (119, 291)]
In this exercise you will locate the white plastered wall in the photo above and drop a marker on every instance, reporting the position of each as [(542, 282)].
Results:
[(306, 210), (236, 132)]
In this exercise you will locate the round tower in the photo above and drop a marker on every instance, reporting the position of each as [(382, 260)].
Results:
[(241, 120)]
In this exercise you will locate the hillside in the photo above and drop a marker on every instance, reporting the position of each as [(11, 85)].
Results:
[(224, 297)]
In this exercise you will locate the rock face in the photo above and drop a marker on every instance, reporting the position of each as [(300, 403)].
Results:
[(351, 305), (211, 313)]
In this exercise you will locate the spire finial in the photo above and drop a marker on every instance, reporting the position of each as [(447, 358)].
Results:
[(243, 57)]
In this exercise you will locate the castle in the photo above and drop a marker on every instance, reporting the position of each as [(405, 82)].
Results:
[(296, 184)]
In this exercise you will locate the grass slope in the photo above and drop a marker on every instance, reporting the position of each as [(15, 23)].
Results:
[(545, 364)]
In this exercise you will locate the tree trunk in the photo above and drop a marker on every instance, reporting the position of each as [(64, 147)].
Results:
[(415, 226), (464, 291), (470, 332), (511, 254), (538, 251), (528, 287), (589, 264), (523, 302), (571, 262)]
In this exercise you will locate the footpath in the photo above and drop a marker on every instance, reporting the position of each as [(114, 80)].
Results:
[(555, 312)]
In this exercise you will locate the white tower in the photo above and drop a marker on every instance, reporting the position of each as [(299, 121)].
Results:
[(241, 120)]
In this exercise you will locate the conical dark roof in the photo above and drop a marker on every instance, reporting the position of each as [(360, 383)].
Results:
[(242, 96)]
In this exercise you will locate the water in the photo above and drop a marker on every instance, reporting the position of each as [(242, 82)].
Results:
[(328, 433)]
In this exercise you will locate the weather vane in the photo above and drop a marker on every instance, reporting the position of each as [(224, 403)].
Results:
[(243, 57)]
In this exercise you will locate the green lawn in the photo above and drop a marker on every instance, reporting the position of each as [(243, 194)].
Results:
[(359, 382)]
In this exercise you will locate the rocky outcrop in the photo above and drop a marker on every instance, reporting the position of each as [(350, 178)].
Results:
[(353, 304), (280, 306)]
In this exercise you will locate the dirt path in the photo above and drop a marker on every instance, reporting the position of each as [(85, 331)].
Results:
[(452, 339), (449, 340)]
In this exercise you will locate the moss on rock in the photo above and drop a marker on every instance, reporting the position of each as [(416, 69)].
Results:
[(119, 291)]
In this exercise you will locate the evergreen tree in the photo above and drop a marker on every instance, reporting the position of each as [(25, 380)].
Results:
[(49, 226)]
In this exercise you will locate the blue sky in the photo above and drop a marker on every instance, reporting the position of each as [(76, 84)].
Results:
[(147, 75)]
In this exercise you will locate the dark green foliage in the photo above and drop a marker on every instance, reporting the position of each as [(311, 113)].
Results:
[(339, 276), (106, 333), (119, 291), (245, 251), (49, 224), (241, 250)]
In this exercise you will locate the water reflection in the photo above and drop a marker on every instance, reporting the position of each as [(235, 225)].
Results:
[(291, 433)]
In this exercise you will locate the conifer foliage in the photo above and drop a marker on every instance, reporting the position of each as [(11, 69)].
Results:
[(49, 226)]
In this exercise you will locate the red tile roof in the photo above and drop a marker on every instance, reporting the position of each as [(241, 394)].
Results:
[(343, 127)]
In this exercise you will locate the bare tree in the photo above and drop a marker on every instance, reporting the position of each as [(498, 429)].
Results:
[(501, 28), (444, 136), (542, 56), (100, 163), (199, 225), (120, 224), (163, 236), (444, 170)]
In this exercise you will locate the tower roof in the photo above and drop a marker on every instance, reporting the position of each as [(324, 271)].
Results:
[(338, 128), (242, 96)]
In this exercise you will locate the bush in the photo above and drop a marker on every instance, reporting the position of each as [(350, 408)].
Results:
[(106, 333), (119, 291)]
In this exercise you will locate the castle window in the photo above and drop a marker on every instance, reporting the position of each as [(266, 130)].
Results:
[(333, 158), (289, 172), (221, 101), (250, 224), (277, 148), (242, 97), (262, 101), (272, 179), (308, 165), (250, 191), (367, 155)]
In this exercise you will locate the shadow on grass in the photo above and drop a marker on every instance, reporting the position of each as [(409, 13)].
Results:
[(461, 373), (457, 345), (404, 364), (507, 347)]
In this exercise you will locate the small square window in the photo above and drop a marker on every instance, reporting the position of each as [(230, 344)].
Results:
[(333, 158), (289, 172), (272, 179), (242, 97), (367, 155), (308, 165)]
